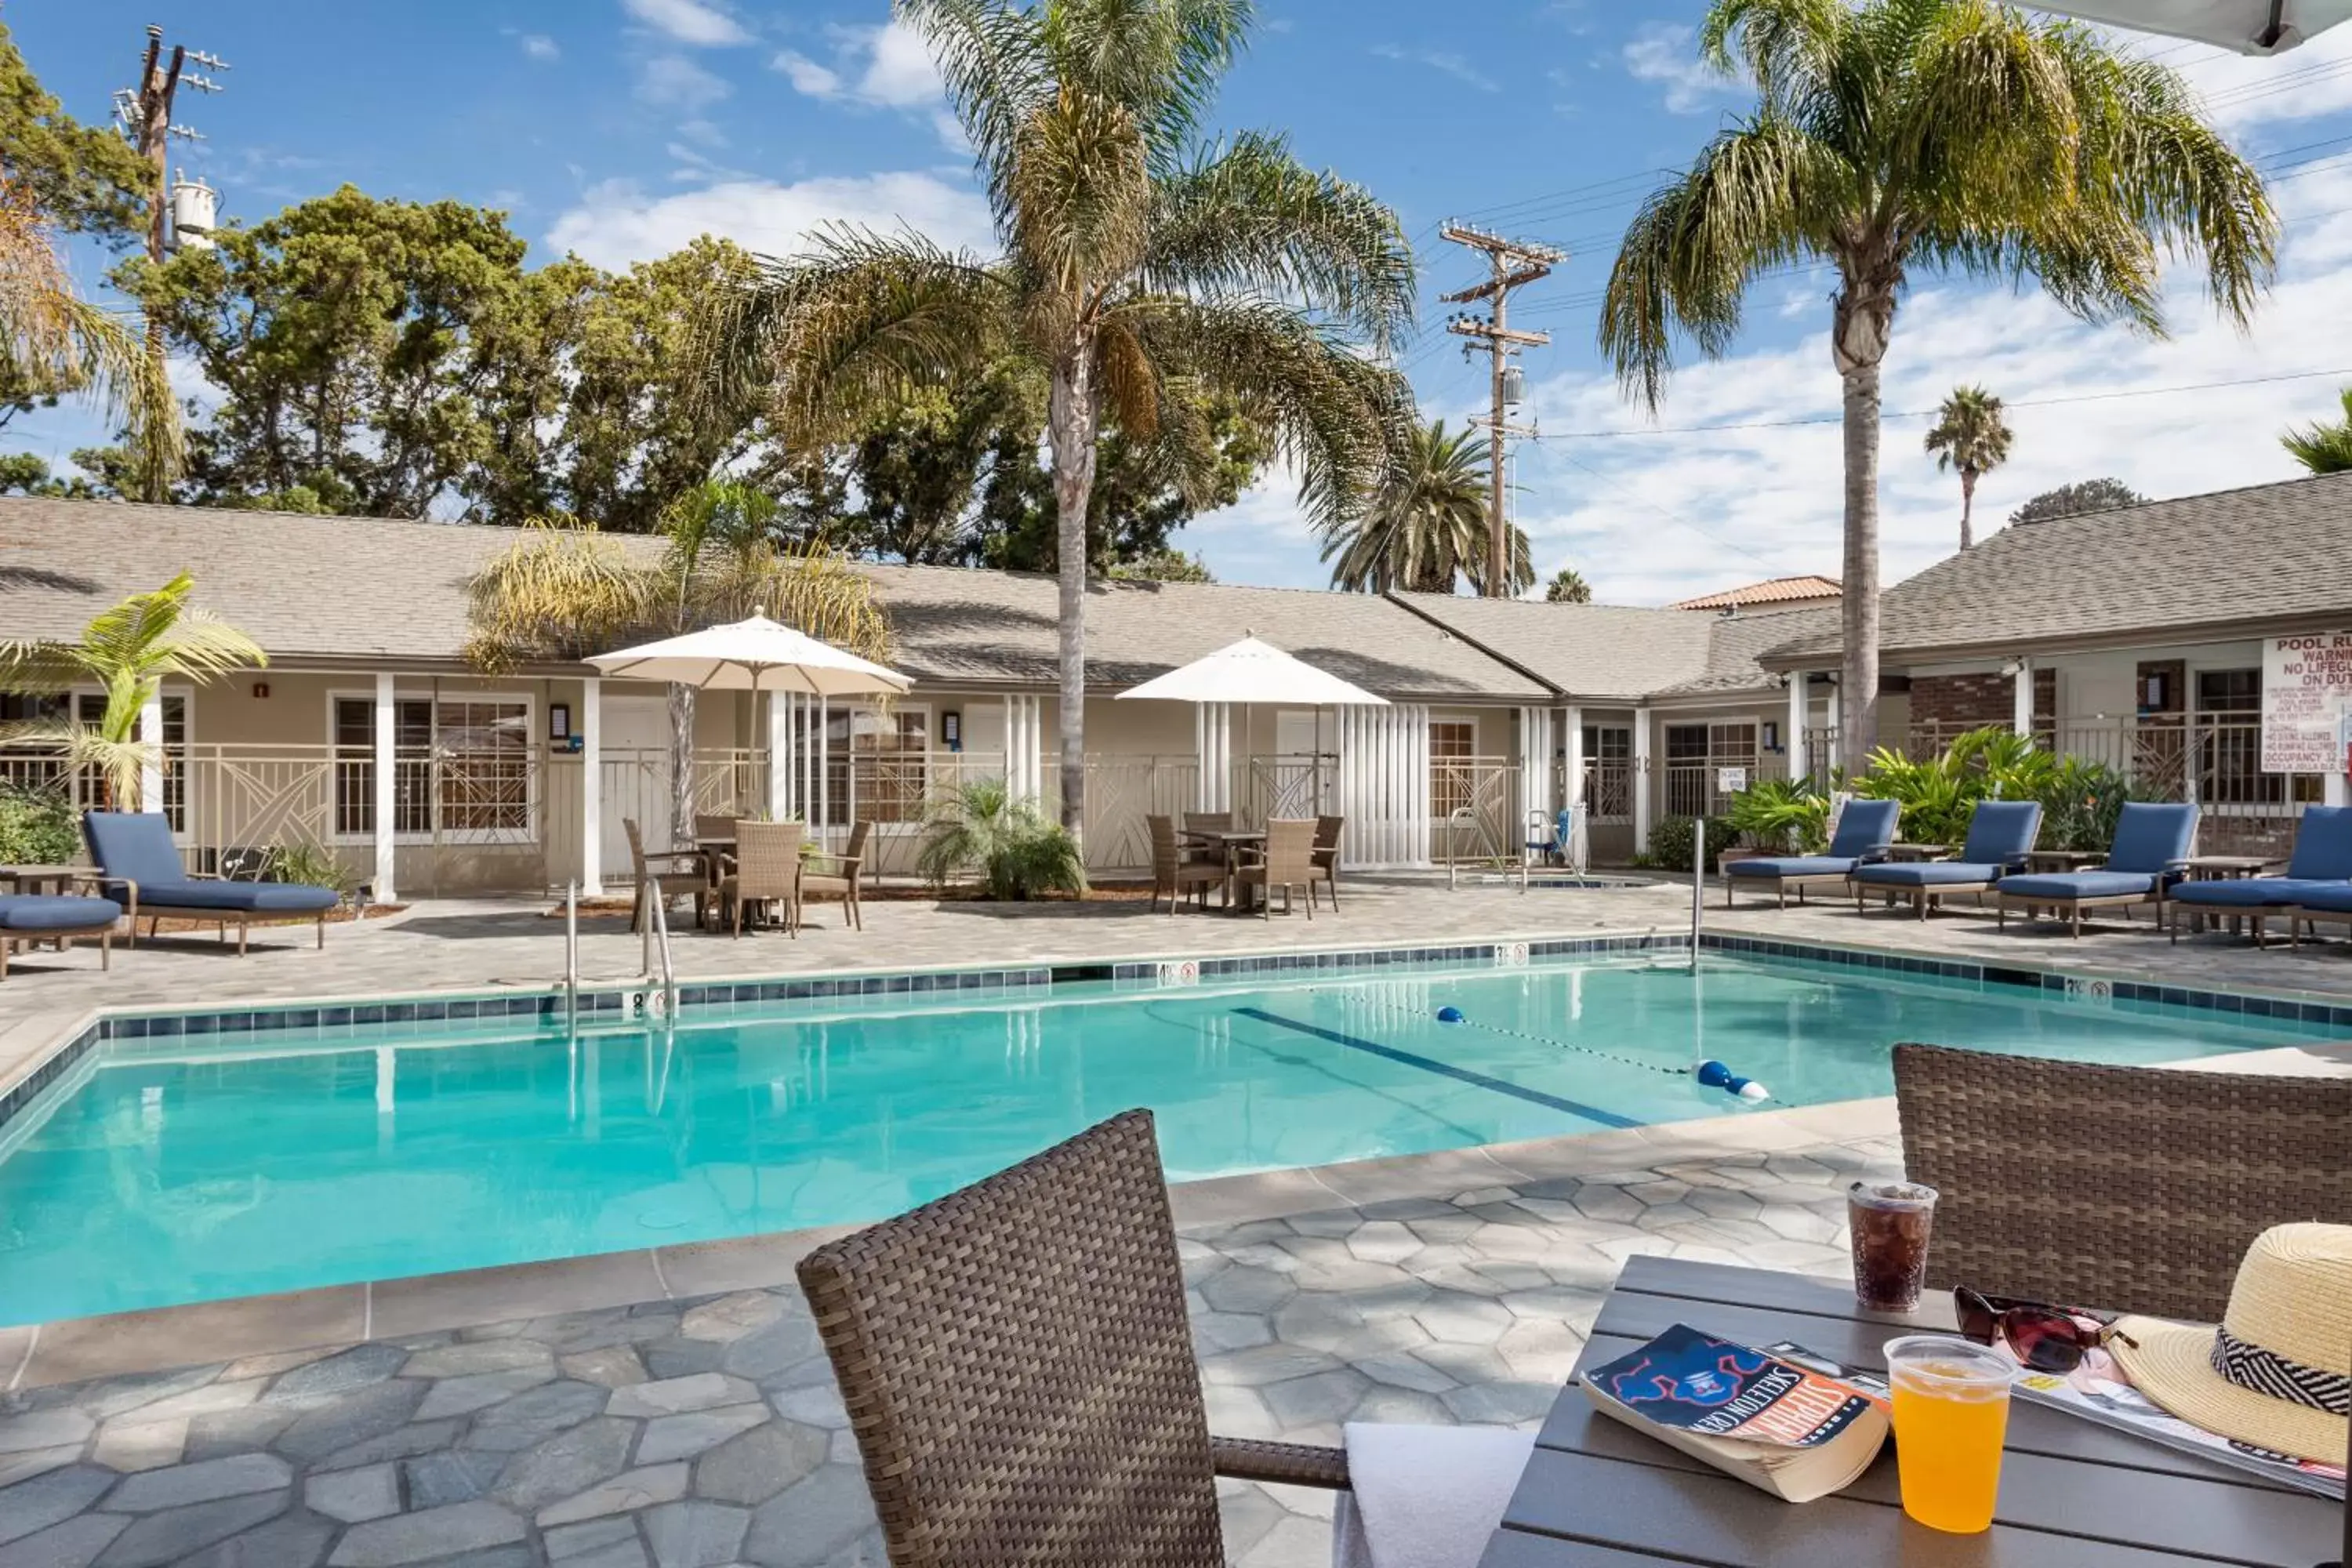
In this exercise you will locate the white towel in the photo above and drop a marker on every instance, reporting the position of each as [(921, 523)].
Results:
[(1425, 1497)]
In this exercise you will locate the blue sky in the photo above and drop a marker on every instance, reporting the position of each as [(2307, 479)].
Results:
[(621, 128)]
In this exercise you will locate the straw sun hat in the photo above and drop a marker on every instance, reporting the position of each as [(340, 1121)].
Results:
[(2277, 1374)]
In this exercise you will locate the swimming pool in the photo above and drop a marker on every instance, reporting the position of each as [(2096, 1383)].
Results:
[(198, 1167)]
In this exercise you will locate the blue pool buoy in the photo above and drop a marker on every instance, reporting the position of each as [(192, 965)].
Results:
[(1452, 1014), (1714, 1075)]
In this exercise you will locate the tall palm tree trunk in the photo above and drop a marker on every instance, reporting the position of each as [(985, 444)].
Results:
[(1070, 422), (681, 766), (1865, 316), (1968, 507)]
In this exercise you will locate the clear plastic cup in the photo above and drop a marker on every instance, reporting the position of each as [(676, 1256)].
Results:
[(1952, 1414), (1890, 1222)]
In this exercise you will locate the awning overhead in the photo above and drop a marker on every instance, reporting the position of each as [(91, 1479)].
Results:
[(757, 655), (2249, 26), (1255, 671)]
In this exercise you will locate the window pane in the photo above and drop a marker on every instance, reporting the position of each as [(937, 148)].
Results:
[(1452, 742)]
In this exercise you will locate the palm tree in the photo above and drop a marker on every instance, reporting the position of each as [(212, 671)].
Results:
[(54, 338), (1424, 525), (1568, 586), (1139, 272), (2321, 447), (1969, 436), (565, 591), (1891, 136), (128, 651)]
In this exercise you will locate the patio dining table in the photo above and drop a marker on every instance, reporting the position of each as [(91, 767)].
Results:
[(1229, 843), (2073, 1494)]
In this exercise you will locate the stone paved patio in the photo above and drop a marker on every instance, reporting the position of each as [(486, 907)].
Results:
[(707, 1431)]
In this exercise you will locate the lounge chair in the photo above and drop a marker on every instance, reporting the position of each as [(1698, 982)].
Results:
[(1288, 862), (1171, 874), (27, 919), (140, 868), (2001, 835), (2151, 841), (842, 881), (2320, 867), (1021, 1379), (2138, 1187), (1863, 831), (766, 869)]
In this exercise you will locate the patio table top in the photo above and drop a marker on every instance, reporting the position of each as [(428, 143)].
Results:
[(2073, 1494)]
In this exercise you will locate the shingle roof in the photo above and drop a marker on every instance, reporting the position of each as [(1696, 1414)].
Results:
[(1590, 651), (1772, 591), (351, 588), (1736, 644), (2264, 555)]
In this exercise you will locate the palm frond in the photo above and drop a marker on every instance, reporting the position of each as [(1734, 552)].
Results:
[(1249, 220), (1161, 59), (1080, 191), (992, 60), (561, 592), (2324, 447)]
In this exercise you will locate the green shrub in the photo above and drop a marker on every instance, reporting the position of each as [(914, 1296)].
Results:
[(1670, 841), (309, 865), (37, 827), (1789, 817), (982, 828)]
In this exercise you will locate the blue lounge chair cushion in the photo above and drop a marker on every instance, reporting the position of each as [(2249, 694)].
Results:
[(2334, 896), (2253, 892), (23, 912), (1780, 866), (2065, 887), (2322, 845), (135, 845), (2151, 837), (1865, 828), (250, 898), (1927, 873), (2000, 832)]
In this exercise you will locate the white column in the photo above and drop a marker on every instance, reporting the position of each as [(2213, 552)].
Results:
[(1535, 770), (1571, 784), (1642, 782), (1800, 760), (824, 766), (1835, 724), (2021, 698), (151, 740), (387, 794), (588, 724), (779, 756), (1213, 734)]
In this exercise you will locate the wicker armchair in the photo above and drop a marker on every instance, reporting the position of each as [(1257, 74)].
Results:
[(1019, 1372), (1327, 856), (1208, 822), (2137, 1189), (664, 885), (843, 880), (766, 869), (1171, 874), (1288, 863), (713, 831)]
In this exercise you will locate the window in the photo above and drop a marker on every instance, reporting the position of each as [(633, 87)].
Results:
[(461, 765), (1452, 743), (1608, 772), (42, 767), (2229, 729), (1694, 755), (891, 753)]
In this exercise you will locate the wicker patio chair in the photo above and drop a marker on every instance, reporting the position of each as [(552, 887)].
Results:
[(2137, 1189), (693, 881), (1288, 863), (1018, 1370), (1171, 874), (1327, 856), (712, 830), (1208, 822), (766, 869), (842, 881)]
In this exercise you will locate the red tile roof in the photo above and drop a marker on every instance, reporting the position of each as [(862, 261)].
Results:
[(1776, 591)]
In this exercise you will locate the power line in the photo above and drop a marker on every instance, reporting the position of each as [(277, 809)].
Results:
[(1931, 413)]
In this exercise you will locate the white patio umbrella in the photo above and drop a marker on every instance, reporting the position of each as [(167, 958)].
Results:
[(2249, 26), (1249, 671), (757, 655)]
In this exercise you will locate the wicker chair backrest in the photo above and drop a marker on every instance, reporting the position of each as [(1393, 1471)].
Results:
[(767, 858)]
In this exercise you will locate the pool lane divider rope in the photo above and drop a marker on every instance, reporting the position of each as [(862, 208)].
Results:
[(1444, 1069)]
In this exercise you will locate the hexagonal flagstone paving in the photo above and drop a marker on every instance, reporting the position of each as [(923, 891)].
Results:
[(693, 1434)]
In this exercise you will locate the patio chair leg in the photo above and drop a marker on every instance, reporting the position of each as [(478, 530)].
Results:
[(242, 928), (322, 933), (1311, 901), (2000, 916), (2078, 923), (105, 947)]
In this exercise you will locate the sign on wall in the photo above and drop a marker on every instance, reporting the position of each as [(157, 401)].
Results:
[(2306, 691), (1730, 781)]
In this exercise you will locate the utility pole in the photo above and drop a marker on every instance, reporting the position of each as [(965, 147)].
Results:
[(1511, 264)]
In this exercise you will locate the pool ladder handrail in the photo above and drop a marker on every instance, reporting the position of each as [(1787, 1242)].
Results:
[(668, 972), (572, 955)]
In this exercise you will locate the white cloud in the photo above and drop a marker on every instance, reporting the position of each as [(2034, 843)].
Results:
[(695, 22), (1457, 66), (617, 222), (807, 76), (2244, 92), (539, 47), (673, 81), (888, 67), (1667, 55)]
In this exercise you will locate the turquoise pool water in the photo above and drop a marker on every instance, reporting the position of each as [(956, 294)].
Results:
[(176, 1171)]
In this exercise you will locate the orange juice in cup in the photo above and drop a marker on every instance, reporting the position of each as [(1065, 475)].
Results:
[(1951, 1412)]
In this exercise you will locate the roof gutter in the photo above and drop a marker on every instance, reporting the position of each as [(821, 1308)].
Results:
[(2191, 634)]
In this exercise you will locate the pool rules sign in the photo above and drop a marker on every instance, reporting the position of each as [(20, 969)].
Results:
[(2306, 695)]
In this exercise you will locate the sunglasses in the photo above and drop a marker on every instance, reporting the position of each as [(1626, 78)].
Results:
[(2046, 1338)]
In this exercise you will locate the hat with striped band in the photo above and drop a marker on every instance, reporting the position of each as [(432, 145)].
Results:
[(2277, 1372)]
